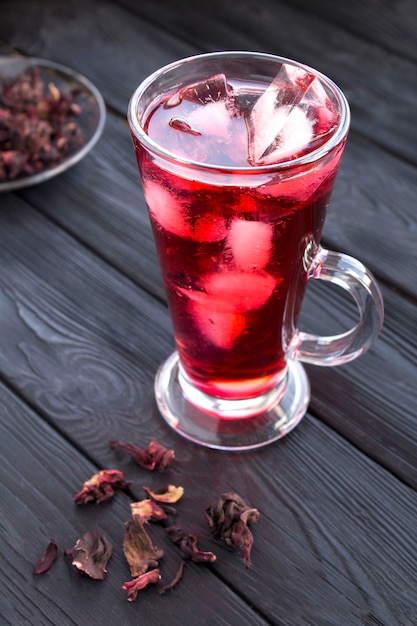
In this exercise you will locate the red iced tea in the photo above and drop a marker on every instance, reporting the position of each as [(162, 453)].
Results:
[(235, 236)]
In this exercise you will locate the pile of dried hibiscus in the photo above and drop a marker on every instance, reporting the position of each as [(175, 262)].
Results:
[(228, 518), (38, 125)]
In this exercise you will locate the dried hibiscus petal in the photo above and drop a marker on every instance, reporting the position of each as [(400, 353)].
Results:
[(180, 124), (101, 487), (138, 548), (148, 511), (229, 518), (188, 546), (155, 457), (162, 457), (174, 581), (47, 558), (91, 554), (168, 494), (140, 582)]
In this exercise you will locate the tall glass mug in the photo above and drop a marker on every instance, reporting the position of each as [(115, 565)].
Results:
[(238, 153)]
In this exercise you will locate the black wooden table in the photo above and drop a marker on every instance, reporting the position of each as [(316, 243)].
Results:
[(84, 327)]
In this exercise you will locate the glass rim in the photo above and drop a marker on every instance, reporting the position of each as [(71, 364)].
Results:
[(308, 158)]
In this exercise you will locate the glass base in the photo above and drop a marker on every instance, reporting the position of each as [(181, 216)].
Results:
[(277, 412)]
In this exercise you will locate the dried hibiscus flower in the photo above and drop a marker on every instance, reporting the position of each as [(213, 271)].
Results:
[(140, 552), (91, 554), (148, 511), (168, 494), (174, 581), (37, 124), (100, 487), (47, 558), (140, 582), (155, 457), (229, 518), (188, 546)]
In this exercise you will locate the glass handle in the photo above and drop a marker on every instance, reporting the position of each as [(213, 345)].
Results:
[(353, 276)]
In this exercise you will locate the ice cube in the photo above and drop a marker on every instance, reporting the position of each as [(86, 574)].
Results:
[(164, 208), (295, 135), (219, 311), (208, 228), (239, 291), (250, 243), (220, 328), (320, 108), (240, 101), (273, 111), (326, 122), (213, 93), (233, 291), (212, 89), (171, 214), (211, 119), (215, 317), (299, 188)]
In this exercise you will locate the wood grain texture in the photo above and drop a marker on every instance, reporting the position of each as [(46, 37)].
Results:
[(372, 213), (84, 326), (91, 36), (76, 334), (372, 400), (320, 546), (102, 201), (39, 476), (392, 25)]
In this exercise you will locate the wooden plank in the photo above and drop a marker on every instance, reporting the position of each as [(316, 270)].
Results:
[(372, 400), (80, 342), (380, 85), (392, 25), (371, 214), (91, 36), (56, 367), (320, 546), (101, 200), (39, 475), (92, 353)]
